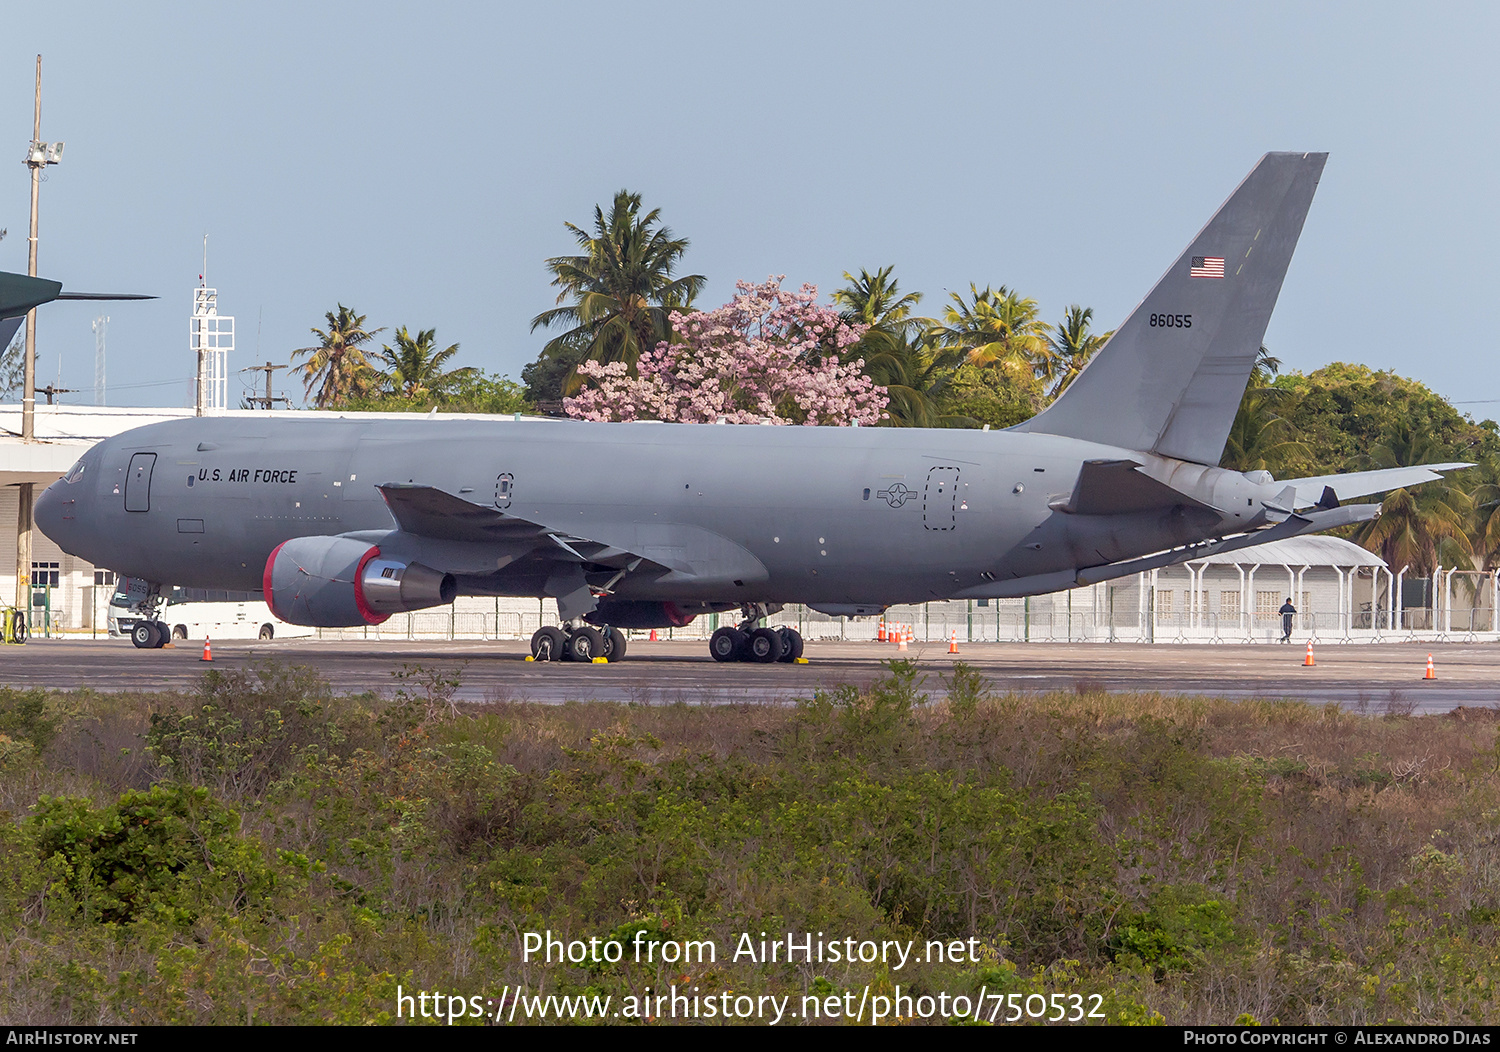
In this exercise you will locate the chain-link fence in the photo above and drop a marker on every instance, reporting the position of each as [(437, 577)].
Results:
[(1039, 620)]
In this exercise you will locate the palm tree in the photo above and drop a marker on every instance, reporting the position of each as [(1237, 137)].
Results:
[(1417, 528), (915, 374), (1260, 438), (875, 300), (616, 296), (997, 326), (415, 367), (1072, 346), (337, 366)]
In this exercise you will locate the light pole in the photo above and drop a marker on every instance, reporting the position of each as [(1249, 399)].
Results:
[(38, 157)]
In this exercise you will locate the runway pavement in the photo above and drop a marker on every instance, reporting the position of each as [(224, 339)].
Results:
[(1374, 678)]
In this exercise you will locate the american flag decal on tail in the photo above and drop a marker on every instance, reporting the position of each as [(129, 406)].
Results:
[(1207, 267)]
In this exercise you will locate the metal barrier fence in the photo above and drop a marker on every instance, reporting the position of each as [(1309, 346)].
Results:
[(1015, 623)]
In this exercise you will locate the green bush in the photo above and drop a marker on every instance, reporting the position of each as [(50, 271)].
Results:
[(170, 853)]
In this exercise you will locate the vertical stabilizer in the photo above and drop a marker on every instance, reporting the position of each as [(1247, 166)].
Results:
[(1171, 378)]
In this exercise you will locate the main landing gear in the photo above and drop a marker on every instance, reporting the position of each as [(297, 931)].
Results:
[(761, 645), (577, 641)]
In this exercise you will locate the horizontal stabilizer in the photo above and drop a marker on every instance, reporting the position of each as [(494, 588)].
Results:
[(1363, 483), (19, 293), (104, 296), (1116, 487)]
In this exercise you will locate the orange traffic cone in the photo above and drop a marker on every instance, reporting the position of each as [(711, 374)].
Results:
[(901, 643), (653, 635), (880, 632), (953, 643), (1308, 661), (208, 654), (1431, 672)]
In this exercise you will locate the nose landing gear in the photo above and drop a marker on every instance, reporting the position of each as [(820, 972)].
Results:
[(150, 635)]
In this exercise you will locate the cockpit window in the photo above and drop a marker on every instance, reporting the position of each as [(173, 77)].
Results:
[(74, 473)]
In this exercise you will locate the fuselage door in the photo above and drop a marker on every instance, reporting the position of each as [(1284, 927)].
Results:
[(138, 482), (940, 499)]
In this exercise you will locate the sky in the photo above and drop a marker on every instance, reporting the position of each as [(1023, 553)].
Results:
[(418, 162)]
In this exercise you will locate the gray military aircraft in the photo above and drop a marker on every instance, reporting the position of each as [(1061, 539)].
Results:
[(345, 521)]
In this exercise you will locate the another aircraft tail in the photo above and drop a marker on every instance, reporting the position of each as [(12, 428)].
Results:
[(19, 294), (1171, 378)]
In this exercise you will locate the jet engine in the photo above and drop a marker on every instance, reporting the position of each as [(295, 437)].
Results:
[(339, 582)]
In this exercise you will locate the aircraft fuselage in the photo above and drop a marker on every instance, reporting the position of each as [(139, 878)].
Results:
[(740, 513)]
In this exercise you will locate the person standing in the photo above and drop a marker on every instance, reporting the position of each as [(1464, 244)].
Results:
[(1288, 611)]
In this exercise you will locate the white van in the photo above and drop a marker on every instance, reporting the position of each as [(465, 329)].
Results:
[(213, 613)]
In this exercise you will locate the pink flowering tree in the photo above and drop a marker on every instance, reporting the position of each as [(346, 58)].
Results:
[(767, 356)]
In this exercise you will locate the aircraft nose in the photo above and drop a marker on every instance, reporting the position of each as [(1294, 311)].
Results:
[(54, 513)]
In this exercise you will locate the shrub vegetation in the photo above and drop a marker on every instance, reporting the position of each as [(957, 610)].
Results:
[(266, 851)]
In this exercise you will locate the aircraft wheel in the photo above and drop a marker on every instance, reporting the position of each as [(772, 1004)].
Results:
[(727, 644), (614, 644), (766, 646), (143, 635), (267, 633), (163, 634), (793, 640), (585, 644), (179, 631), (547, 644)]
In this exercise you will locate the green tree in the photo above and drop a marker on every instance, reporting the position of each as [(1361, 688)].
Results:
[(1261, 438), (1343, 412), (1072, 346), (617, 294), (875, 300), (916, 376), (13, 366), (1423, 526), (897, 352), (337, 366), (472, 391), (998, 326), (999, 337), (414, 367)]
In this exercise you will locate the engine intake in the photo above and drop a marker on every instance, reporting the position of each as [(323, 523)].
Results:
[(339, 582)]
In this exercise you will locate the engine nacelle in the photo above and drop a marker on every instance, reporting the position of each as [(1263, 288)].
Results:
[(639, 613), (338, 582)]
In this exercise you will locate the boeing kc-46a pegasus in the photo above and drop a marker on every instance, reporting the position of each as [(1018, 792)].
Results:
[(345, 521)]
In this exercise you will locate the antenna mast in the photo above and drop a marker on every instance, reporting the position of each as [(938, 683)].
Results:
[(100, 324), (211, 338)]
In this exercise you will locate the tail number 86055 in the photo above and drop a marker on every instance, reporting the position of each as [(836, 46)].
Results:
[(1171, 321)]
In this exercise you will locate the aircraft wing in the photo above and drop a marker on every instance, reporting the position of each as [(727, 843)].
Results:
[(429, 512), (675, 552), (1363, 483)]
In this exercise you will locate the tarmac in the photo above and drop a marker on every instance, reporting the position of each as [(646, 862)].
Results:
[(1374, 678)]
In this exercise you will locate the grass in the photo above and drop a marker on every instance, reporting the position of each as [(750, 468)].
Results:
[(265, 851)]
